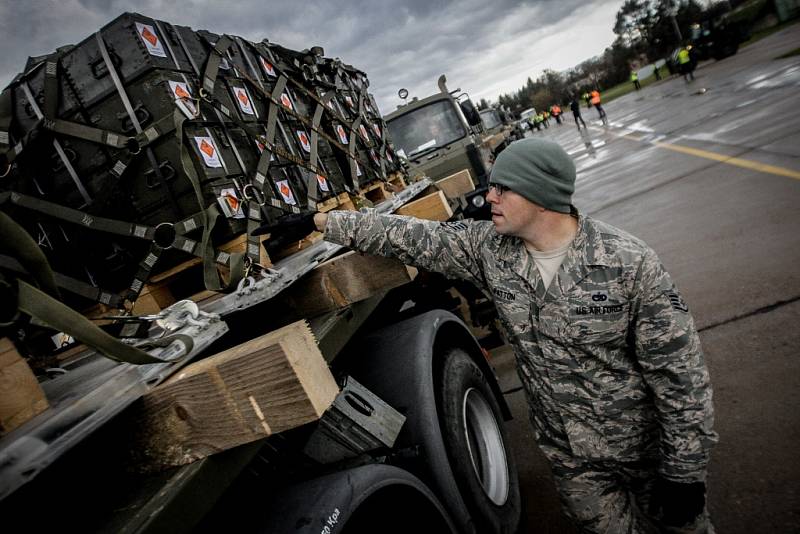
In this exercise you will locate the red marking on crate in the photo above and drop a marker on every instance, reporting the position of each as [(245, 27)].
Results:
[(150, 36), (207, 148)]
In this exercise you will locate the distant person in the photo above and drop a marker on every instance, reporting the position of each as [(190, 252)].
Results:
[(576, 112), (657, 72), (588, 99), (555, 111), (635, 80), (596, 104), (685, 64)]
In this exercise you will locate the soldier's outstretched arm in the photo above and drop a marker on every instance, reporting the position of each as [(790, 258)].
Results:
[(668, 350), (450, 248)]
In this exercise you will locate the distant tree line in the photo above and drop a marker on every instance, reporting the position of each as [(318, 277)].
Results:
[(646, 32)]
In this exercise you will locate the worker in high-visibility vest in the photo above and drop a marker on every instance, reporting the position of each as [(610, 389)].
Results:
[(595, 99), (685, 63), (555, 111), (635, 79)]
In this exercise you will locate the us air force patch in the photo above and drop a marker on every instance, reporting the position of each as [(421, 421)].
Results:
[(676, 300)]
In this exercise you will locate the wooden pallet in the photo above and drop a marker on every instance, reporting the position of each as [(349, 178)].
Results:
[(186, 280), (21, 396)]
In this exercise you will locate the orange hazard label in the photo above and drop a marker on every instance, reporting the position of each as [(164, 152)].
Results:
[(233, 202), (181, 92), (286, 101), (149, 36), (285, 190), (207, 148), (243, 98)]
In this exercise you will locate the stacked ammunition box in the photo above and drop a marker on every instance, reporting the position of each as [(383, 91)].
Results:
[(123, 154)]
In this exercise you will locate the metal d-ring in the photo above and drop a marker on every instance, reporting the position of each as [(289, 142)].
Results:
[(257, 196), (171, 227), (132, 141)]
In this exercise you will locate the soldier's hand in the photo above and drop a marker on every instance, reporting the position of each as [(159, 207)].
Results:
[(294, 223), (678, 503)]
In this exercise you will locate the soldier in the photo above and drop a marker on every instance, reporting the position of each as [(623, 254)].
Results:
[(606, 349)]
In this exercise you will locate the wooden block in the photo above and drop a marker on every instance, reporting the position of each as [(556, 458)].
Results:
[(346, 203), (457, 184), (297, 246), (378, 194), (267, 385), (344, 280), (21, 396), (433, 207)]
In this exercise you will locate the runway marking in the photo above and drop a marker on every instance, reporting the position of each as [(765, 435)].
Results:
[(730, 160)]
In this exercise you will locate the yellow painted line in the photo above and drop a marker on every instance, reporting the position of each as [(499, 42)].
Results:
[(739, 162), (730, 160)]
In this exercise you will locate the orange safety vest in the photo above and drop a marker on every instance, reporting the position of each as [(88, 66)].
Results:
[(595, 97), (556, 110)]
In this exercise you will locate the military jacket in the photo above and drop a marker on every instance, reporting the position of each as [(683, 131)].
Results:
[(608, 355)]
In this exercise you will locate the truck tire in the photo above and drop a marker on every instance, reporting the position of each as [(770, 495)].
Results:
[(362, 500), (475, 441), (401, 364)]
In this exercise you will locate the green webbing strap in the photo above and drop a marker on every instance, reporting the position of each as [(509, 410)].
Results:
[(209, 220), (6, 115), (19, 244), (76, 287), (77, 217), (212, 65), (353, 142), (50, 106), (312, 186), (56, 315), (88, 133)]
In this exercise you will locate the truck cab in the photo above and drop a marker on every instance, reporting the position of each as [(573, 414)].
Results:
[(441, 135)]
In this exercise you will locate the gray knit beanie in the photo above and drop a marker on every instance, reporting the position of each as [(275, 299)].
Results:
[(539, 170)]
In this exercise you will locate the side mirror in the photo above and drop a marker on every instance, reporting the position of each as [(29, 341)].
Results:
[(470, 112)]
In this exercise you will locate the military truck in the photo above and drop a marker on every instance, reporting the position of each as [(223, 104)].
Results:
[(441, 135), (323, 392)]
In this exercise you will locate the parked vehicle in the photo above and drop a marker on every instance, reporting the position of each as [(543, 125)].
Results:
[(441, 135)]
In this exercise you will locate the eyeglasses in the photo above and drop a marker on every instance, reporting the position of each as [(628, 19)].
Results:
[(499, 189)]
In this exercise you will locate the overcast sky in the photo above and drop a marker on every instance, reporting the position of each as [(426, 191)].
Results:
[(485, 47)]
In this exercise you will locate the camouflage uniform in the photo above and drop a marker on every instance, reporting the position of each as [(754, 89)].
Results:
[(608, 355)]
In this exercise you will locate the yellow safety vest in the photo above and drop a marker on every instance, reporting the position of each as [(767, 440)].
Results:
[(683, 56)]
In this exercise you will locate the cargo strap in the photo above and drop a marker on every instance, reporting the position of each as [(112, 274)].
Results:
[(64, 319), (208, 220), (105, 225), (135, 121), (45, 307), (57, 145), (69, 284), (312, 184), (214, 60)]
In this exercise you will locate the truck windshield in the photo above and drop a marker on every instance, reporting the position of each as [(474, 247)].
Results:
[(434, 125), (490, 118)]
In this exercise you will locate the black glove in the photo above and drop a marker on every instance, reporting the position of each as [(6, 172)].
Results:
[(295, 223), (679, 503)]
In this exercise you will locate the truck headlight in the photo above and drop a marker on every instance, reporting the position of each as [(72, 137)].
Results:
[(478, 201)]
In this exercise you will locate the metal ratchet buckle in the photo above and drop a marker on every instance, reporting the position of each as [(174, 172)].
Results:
[(176, 316)]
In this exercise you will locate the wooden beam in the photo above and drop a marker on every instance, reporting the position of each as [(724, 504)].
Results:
[(344, 280), (457, 184), (267, 385), (21, 396), (433, 207)]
